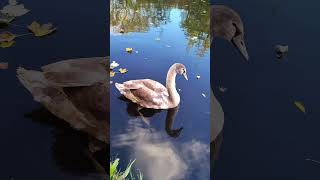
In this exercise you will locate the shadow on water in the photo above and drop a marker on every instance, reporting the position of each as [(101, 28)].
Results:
[(74, 152)]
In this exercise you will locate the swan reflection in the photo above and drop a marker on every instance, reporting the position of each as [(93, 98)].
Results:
[(158, 155), (73, 151), (134, 111)]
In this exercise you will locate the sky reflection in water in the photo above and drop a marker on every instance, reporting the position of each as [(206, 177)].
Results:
[(162, 33)]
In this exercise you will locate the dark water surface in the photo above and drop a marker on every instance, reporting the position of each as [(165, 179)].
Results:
[(162, 33), (265, 136), (33, 144)]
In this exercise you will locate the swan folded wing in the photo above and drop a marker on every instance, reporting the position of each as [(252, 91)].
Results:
[(74, 78), (84, 64), (149, 98), (77, 72)]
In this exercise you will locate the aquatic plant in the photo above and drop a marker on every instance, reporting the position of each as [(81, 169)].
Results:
[(116, 174)]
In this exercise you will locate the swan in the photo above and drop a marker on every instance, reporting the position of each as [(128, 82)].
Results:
[(151, 94), (75, 90), (227, 24)]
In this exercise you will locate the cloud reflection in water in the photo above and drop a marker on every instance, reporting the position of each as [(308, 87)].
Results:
[(158, 156)]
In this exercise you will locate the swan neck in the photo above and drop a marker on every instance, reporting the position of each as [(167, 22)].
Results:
[(171, 82)]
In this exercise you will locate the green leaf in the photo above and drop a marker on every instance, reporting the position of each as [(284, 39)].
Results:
[(127, 171), (140, 176), (113, 167)]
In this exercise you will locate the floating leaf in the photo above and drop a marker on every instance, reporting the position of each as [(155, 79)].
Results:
[(222, 89), (4, 65), (203, 95), (123, 70), (112, 73), (113, 65), (7, 37), (198, 77), (129, 50), (5, 18), (41, 30), (6, 44), (14, 9), (281, 50), (300, 106)]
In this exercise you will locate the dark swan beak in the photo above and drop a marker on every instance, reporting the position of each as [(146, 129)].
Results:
[(185, 76), (238, 41)]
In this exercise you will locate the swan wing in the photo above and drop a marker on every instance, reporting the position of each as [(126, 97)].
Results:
[(145, 92), (77, 72)]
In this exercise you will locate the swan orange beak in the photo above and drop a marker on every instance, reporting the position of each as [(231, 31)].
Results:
[(185, 76)]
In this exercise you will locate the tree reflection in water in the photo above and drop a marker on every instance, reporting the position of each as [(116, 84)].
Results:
[(128, 16)]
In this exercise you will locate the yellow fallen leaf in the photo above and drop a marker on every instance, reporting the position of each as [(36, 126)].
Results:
[(129, 50), (123, 70), (4, 65), (41, 30), (6, 44), (6, 37), (300, 106), (112, 73)]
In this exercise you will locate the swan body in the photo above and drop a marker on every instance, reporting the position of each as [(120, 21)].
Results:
[(217, 116), (148, 93), (76, 91)]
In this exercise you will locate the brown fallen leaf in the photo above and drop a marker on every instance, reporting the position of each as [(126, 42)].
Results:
[(4, 65), (6, 44), (41, 30), (7, 36)]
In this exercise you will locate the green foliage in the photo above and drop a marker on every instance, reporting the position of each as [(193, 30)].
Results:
[(116, 174), (138, 16)]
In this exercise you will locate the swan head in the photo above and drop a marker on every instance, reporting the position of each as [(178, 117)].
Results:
[(238, 39), (227, 24), (181, 69)]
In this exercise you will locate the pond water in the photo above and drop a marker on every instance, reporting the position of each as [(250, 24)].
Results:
[(265, 136), (167, 144), (35, 144)]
